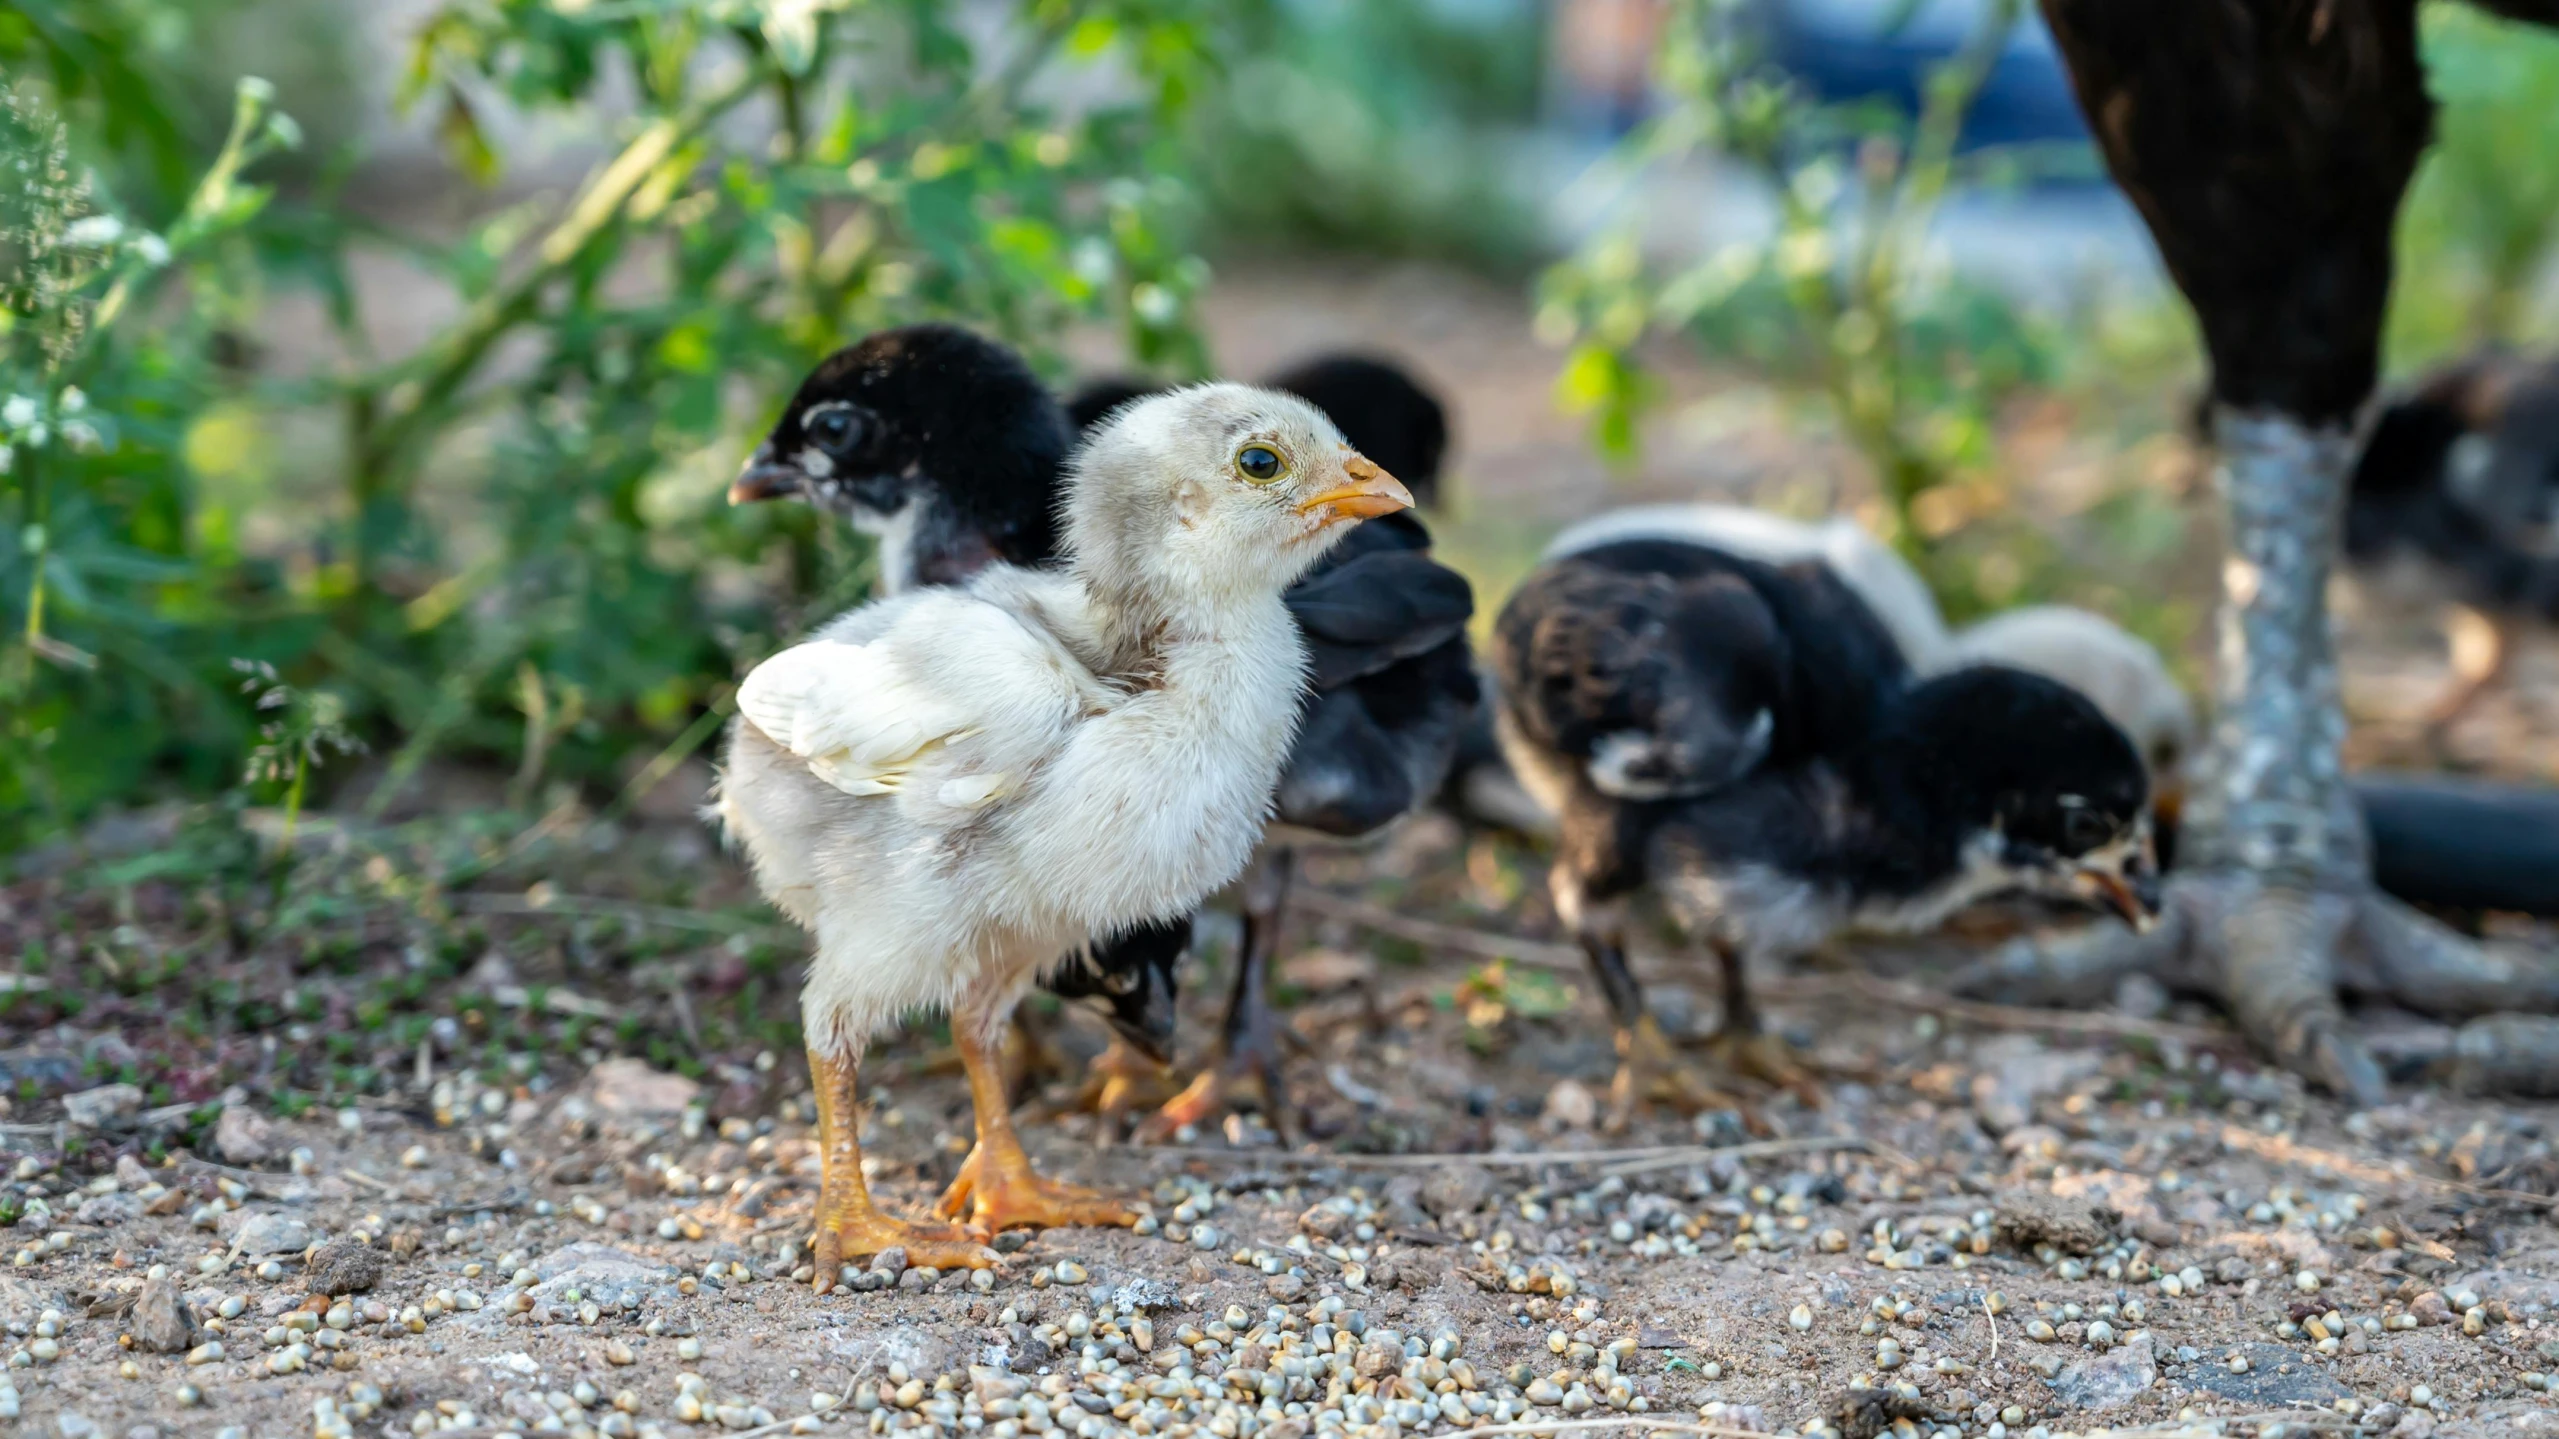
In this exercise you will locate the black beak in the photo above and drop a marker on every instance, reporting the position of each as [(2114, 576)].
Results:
[(765, 478)]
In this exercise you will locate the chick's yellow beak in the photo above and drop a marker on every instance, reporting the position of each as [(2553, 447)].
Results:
[(1370, 493)]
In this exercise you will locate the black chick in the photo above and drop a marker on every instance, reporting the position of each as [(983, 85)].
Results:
[(2462, 473), (1392, 689), (940, 443), (1873, 801), (946, 447)]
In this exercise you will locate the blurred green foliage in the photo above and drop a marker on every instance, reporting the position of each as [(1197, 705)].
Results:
[(2476, 234), (506, 542), (1842, 298), (1375, 127)]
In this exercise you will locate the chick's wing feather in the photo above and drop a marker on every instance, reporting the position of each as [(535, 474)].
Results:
[(867, 717)]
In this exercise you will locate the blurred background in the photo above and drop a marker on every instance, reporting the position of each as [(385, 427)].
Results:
[(374, 368)]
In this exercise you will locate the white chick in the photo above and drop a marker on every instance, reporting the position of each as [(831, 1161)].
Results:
[(953, 788)]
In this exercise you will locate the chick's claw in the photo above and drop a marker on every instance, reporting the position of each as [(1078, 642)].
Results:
[(997, 1195), (1240, 1081), (1651, 1071), (1120, 1082), (864, 1232), (1767, 1058)]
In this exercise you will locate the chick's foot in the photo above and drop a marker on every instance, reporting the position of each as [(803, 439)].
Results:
[(1650, 1070), (1118, 1083), (854, 1231), (1006, 1193), (1768, 1059), (1241, 1079)]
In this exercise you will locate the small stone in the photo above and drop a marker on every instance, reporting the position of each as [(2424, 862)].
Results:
[(617, 1352), (109, 1209), (1571, 1105), (628, 1092), (2029, 1219), (2109, 1380), (243, 1136), (1325, 1222), (107, 1104), (258, 1235), (161, 1323), (343, 1266), (1456, 1189), (1286, 1288)]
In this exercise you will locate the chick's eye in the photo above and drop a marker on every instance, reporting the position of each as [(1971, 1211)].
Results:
[(2085, 829), (1260, 463), (834, 429)]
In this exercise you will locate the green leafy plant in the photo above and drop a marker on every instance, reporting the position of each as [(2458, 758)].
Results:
[(1841, 300), (93, 367), (300, 731), (1375, 127), (2476, 235), (506, 542)]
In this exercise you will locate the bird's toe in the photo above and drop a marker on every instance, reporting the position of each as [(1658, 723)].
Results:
[(1770, 1060), (927, 1245)]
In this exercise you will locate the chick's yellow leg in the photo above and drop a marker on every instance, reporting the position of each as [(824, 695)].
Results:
[(996, 1188), (1744, 1048), (1120, 1081), (848, 1224), (1650, 1070)]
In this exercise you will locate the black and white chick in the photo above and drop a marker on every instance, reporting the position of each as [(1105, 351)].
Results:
[(1746, 742), (2461, 475)]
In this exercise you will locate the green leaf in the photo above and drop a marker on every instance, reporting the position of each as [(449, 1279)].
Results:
[(464, 142)]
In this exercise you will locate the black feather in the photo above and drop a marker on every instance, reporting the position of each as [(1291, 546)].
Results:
[(1685, 645), (2491, 525), (1094, 400), (1365, 615)]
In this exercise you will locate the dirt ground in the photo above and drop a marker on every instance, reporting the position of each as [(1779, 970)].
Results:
[(522, 1088)]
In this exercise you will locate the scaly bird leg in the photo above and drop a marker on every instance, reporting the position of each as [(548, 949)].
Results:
[(1649, 1068), (2274, 914), (1246, 1068), (996, 1188), (848, 1225), (2279, 229), (1743, 1046)]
